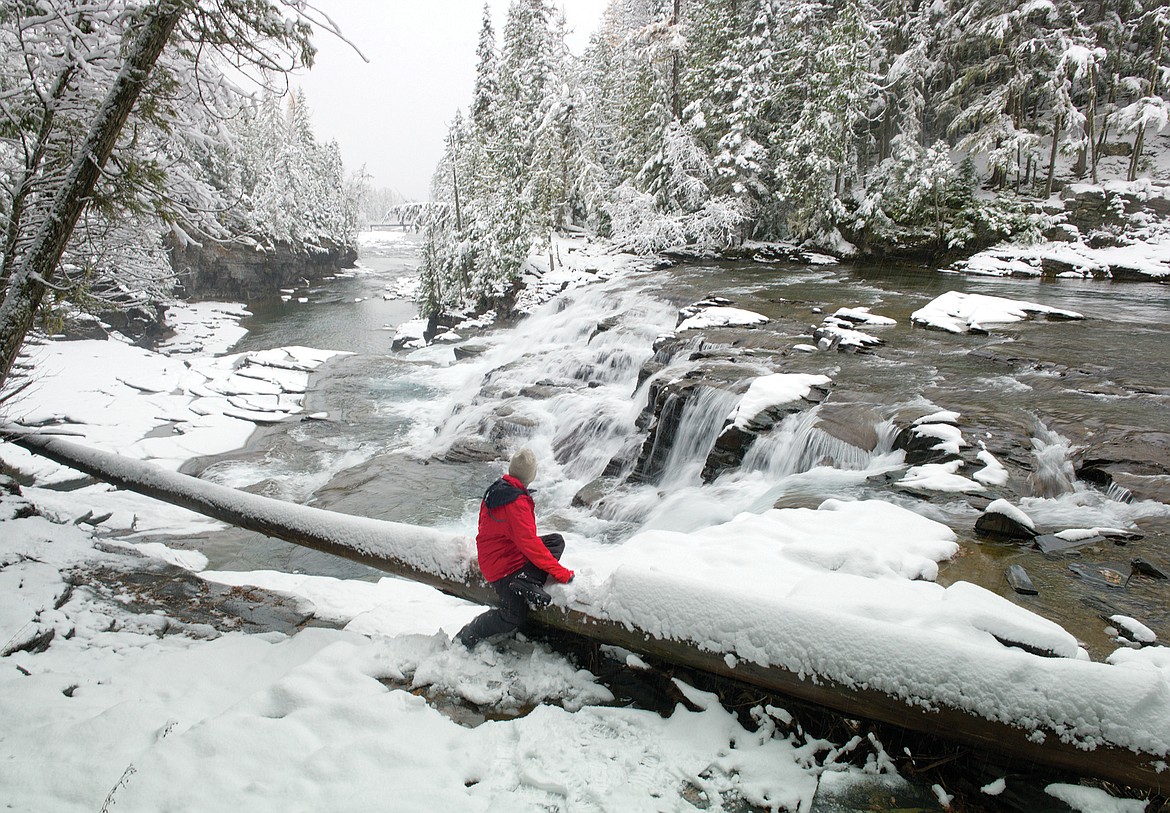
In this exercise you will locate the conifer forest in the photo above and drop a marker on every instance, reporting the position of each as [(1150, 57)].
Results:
[(881, 125)]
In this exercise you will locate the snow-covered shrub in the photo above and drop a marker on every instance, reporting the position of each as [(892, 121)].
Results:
[(637, 223)]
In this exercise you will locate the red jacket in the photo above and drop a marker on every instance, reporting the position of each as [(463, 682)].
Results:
[(507, 539)]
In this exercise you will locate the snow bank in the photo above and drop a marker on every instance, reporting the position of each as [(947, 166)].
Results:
[(150, 406), (1148, 258), (114, 710)]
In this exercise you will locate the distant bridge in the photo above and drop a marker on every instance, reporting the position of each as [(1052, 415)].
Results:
[(405, 216)]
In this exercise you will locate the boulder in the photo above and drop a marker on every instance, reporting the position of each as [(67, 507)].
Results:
[(592, 493), (921, 448), (472, 450), (854, 424), (999, 525)]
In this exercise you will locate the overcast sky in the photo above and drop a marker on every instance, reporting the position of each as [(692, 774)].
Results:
[(391, 113)]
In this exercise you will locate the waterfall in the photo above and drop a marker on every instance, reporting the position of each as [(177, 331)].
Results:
[(798, 444), (703, 416), (1054, 474), (562, 381)]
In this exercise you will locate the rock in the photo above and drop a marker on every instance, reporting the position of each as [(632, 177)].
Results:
[(854, 424), (1002, 526), (592, 493), (665, 416), (85, 326), (472, 450), (668, 400), (604, 326), (571, 445), (241, 272), (1063, 233), (728, 452), (1132, 630), (541, 392), (853, 792), (1051, 543), (467, 351), (920, 447), (1020, 581), (1145, 568), (1098, 576), (512, 425), (734, 441)]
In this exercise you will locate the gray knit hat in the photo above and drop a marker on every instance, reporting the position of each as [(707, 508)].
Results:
[(523, 466)]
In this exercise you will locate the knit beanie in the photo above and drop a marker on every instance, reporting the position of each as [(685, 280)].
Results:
[(523, 466)]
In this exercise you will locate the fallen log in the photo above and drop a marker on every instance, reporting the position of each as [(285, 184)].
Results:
[(446, 562)]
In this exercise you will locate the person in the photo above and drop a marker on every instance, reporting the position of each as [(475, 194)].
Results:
[(514, 560)]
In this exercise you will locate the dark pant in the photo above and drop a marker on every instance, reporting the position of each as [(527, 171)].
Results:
[(512, 613)]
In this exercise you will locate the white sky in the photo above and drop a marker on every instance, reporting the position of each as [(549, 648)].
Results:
[(392, 113)]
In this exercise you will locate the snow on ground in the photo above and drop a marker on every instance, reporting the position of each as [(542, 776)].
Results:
[(116, 715), (166, 409), (115, 712), (1148, 258), (956, 312), (145, 713)]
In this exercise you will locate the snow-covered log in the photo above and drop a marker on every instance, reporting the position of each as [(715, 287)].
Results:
[(446, 561)]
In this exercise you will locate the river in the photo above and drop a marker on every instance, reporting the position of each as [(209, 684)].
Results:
[(407, 431)]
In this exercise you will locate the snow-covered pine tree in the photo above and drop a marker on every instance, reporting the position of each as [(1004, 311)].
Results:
[(486, 96), (746, 80), (827, 90), (1150, 109), (1071, 96), (999, 52)]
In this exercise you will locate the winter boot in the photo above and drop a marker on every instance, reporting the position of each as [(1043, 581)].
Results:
[(530, 589), (468, 638)]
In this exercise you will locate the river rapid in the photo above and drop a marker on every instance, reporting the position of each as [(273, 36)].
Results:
[(416, 436)]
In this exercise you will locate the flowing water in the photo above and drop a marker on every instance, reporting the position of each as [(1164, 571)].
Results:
[(565, 381)]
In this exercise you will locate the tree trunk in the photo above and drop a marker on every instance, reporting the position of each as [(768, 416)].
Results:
[(1091, 123), (455, 189), (30, 279), (675, 70), (1056, 128), (1140, 139)]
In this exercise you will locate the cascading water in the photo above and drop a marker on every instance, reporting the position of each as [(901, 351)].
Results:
[(678, 459), (798, 444), (562, 383), (1054, 473)]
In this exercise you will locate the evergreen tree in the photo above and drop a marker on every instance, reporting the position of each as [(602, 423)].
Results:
[(747, 84)]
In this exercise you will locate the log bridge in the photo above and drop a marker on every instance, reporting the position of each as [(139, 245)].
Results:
[(446, 563)]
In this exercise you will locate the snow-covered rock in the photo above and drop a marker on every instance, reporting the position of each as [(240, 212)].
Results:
[(956, 312)]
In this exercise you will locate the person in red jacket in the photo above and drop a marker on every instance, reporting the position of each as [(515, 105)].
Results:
[(514, 560)]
